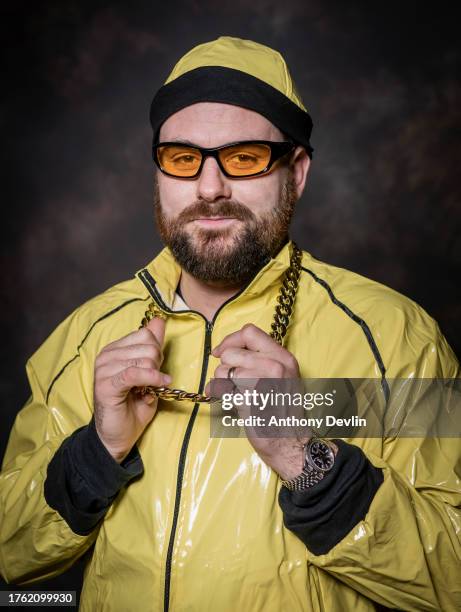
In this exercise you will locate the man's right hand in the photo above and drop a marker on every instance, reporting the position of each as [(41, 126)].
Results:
[(122, 414)]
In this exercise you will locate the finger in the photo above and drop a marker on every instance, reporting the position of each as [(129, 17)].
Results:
[(222, 371), (149, 398), (217, 387), (115, 366), (249, 337), (237, 356), (157, 327), (137, 377), (243, 379), (133, 351), (250, 360), (140, 336)]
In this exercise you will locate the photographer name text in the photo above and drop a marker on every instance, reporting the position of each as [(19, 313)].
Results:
[(293, 421)]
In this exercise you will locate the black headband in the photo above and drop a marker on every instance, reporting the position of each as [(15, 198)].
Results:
[(230, 86)]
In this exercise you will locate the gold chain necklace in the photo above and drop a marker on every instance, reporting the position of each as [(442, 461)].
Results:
[(283, 310)]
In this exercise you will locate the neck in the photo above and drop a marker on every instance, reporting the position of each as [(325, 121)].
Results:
[(205, 297)]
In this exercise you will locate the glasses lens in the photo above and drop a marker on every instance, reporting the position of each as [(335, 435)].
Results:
[(245, 159), (179, 160)]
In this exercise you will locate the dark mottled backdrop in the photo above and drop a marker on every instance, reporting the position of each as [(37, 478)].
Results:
[(382, 196)]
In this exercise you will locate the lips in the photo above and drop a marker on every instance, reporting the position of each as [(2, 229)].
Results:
[(211, 218), (215, 222)]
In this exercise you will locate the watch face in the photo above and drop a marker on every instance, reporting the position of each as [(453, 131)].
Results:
[(321, 455)]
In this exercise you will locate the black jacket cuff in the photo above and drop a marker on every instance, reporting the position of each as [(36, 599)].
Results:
[(324, 514), (83, 478)]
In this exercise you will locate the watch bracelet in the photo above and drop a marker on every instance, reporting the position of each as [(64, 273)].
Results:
[(304, 481)]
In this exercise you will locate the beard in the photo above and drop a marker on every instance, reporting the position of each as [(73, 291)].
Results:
[(224, 256)]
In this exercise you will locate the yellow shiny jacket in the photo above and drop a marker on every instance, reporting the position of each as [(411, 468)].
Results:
[(202, 527)]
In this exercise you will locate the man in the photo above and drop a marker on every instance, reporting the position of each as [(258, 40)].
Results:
[(172, 518)]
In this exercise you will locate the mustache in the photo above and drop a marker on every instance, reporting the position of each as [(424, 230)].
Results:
[(229, 208)]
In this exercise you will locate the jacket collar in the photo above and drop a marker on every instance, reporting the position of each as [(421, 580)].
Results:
[(166, 272)]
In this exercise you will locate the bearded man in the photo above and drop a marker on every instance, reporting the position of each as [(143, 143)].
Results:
[(106, 459)]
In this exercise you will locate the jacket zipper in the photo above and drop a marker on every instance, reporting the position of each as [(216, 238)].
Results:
[(181, 464), (149, 282), (182, 457)]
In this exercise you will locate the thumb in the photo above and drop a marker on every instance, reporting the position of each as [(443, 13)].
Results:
[(157, 326)]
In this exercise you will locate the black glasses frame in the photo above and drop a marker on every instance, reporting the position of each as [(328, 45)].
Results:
[(278, 150)]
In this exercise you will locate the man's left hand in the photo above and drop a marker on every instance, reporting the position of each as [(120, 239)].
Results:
[(254, 354)]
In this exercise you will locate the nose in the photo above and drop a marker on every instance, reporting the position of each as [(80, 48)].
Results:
[(212, 184)]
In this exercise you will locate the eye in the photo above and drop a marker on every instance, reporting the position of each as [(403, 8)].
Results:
[(242, 159), (184, 159)]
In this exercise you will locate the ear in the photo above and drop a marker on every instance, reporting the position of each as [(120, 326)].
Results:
[(300, 164)]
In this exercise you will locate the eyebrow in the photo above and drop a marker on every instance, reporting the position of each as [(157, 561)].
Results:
[(184, 141)]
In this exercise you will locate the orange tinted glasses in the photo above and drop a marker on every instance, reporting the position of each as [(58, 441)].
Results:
[(236, 160)]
